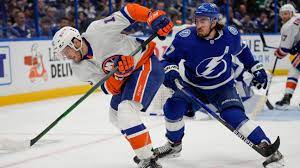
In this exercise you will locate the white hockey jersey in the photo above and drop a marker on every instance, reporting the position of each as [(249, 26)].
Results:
[(290, 33), (107, 42)]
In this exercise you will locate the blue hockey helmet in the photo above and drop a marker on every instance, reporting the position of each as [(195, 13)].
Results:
[(208, 9)]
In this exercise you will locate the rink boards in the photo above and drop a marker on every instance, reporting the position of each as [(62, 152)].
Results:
[(30, 71)]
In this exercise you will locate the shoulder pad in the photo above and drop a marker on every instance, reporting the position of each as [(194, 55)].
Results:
[(184, 33), (233, 30)]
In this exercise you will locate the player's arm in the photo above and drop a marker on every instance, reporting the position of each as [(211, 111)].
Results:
[(132, 13), (288, 34), (243, 53), (245, 57), (86, 71), (174, 54)]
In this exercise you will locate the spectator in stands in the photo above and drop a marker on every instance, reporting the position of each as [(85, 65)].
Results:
[(262, 22), (42, 8), (1, 28), (20, 29), (160, 5), (248, 24), (232, 20), (70, 17), (45, 25), (51, 13), (103, 9), (21, 4), (84, 21), (223, 5), (62, 23), (88, 8), (175, 17), (29, 15), (241, 12)]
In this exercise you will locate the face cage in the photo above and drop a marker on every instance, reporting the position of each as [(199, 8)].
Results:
[(281, 13), (64, 51)]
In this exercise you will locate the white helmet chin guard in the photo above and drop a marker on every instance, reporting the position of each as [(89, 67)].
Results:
[(64, 37), (288, 7)]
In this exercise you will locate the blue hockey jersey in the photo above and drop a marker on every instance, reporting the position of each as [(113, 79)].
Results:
[(208, 63)]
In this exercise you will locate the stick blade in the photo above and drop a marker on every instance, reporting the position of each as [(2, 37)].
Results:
[(272, 148), (269, 105)]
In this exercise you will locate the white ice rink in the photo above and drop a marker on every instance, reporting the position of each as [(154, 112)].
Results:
[(86, 139)]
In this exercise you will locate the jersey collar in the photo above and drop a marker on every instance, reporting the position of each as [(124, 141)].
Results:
[(89, 55)]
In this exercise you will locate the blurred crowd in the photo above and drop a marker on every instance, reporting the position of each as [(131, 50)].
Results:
[(17, 17)]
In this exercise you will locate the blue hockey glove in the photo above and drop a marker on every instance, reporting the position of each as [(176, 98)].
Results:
[(260, 78), (160, 23), (171, 74)]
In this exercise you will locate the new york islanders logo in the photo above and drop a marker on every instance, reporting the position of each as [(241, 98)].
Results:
[(212, 67), (108, 63)]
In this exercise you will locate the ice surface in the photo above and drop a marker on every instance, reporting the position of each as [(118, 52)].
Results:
[(86, 139)]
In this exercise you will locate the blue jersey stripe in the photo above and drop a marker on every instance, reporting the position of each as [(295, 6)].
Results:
[(134, 129), (126, 16)]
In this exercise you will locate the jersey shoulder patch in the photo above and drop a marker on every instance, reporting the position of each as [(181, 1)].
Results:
[(185, 33), (233, 30)]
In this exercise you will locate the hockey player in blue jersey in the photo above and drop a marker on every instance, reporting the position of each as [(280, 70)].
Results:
[(252, 103), (207, 50)]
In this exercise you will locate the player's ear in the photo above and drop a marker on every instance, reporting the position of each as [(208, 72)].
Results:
[(214, 23)]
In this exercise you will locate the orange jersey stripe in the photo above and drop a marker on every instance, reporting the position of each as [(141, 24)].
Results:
[(137, 12), (296, 61), (291, 85), (113, 85), (142, 82), (140, 140), (147, 54)]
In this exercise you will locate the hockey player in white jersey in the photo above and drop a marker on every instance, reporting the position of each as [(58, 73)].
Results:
[(289, 44), (100, 48)]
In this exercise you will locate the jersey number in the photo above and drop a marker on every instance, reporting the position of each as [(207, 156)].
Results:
[(112, 19)]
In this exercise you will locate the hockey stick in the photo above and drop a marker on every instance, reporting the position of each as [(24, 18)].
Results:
[(264, 152), (39, 136), (264, 41), (269, 105)]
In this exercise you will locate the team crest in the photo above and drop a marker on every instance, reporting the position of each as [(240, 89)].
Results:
[(185, 33), (233, 30), (212, 67), (108, 63)]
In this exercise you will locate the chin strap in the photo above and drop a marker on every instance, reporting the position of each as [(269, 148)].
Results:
[(79, 49), (211, 29)]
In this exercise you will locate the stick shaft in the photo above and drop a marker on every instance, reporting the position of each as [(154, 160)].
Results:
[(213, 114)]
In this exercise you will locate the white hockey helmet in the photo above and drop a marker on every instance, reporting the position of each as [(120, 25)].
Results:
[(64, 37), (288, 7)]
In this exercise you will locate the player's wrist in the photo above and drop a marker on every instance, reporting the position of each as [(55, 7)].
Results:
[(256, 67), (171, 68)]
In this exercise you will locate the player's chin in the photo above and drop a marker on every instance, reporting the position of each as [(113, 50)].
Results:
[(77, 59), (201, 34)]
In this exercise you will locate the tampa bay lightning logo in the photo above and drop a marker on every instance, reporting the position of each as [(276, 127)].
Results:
[(185, 33), (212, 67), (233, 30)]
